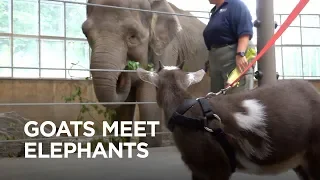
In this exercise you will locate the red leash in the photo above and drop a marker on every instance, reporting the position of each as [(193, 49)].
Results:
[(296, 11)]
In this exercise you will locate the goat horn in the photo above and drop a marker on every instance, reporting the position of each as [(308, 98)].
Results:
[(180, 66), (161, 66)]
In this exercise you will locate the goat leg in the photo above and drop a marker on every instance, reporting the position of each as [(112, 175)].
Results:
[(313, 161), (195, 177), (301, 172)]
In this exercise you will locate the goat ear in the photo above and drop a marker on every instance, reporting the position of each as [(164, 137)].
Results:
[(148, 76), (163, 27), (194, 77)]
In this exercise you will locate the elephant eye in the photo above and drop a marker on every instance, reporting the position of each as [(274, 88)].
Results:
[(133, 40), (132, 37)]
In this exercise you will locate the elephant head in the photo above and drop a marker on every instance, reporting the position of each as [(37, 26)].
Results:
[(118, 35)]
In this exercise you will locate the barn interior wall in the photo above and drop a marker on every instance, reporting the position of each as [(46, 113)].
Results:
[(46, 91)]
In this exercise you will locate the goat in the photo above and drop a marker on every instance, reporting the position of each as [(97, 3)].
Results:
[(271, 129)]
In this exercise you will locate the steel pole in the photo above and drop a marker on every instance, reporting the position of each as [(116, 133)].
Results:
[(265, 29)]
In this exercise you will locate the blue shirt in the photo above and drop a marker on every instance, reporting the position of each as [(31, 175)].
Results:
[(231, 20)]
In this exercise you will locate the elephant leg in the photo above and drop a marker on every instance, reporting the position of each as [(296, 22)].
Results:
[(126, 112), (149, 112)]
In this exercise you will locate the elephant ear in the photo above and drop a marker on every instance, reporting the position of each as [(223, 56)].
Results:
[(164, 27)]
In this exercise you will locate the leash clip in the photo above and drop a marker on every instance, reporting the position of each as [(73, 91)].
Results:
[(222, 91)]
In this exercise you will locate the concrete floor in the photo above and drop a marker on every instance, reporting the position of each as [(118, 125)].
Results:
[(162, 164)]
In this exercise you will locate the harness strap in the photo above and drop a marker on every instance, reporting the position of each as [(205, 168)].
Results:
[(177, 117), (187, 104), (206, 108), (201, 124), (180, 120), (218, 133), (221, 137)]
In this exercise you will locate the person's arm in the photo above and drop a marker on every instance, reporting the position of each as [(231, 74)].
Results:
[(243, 27), (243, 42)]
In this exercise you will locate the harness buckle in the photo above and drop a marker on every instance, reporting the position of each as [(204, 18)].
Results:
[(209, 116), (208, 129)]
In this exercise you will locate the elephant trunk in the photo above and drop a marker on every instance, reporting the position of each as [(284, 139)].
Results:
[(110, 86)]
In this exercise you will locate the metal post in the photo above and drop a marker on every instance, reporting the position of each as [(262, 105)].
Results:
[(265, 30)]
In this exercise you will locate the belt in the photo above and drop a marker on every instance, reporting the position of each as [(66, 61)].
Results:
[(219, 45)]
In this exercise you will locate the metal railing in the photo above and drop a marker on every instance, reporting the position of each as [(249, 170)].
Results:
[(11, 35)]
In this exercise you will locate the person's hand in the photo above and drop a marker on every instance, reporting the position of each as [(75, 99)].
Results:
[(241, 63)]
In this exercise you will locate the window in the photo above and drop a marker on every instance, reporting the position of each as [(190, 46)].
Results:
[(301, 47), (310, 20), (36, 36), (5, 56), (279, 62), (292, 61), (291, 36), (311, 62), (297, 51)]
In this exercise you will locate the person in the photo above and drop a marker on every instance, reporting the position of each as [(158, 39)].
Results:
[(228, 36)]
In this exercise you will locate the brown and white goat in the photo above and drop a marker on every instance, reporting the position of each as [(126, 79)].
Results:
[(272, 129)]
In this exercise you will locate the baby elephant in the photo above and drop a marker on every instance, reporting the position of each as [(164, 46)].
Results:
[(264, 131)]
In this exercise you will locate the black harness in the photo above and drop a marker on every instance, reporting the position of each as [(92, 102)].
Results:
[(179, 119)]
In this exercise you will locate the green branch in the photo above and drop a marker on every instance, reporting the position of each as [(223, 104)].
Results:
[(133, 65)]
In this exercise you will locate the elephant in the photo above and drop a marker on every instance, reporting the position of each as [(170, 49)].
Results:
[(116, 36)]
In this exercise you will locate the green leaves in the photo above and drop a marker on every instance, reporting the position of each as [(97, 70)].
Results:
[(108, 115), (88, 109), (133, 65), (150, 67)]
